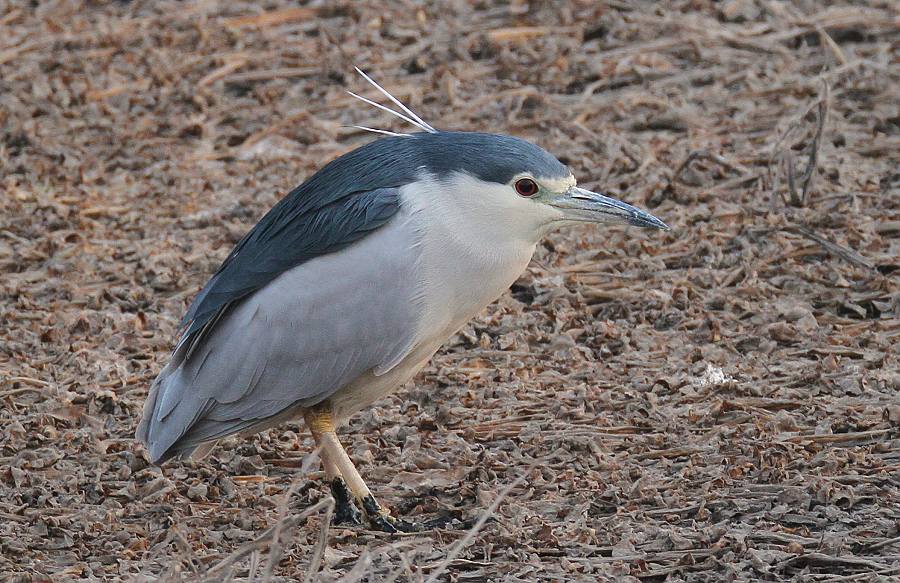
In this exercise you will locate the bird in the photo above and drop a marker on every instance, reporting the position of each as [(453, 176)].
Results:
[(349, 284)]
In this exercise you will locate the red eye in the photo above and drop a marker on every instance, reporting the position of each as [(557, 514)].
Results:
[(526, 187)]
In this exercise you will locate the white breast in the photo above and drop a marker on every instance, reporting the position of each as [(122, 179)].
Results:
[(473, 240), (473, 246)]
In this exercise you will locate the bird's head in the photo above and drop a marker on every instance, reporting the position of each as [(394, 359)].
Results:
[(499, 180), (513, 182)]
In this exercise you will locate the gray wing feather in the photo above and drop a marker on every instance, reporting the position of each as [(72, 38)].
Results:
[(311, 331), (301, 226)]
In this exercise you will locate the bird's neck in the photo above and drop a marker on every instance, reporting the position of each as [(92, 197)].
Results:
[(465, 260)]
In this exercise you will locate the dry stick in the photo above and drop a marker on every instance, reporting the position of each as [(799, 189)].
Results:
[(828, 560), (29, 380), (359, 568), (832, 75), (787, 158), (268, 74), (229, 577), (405, 565), (272, 129), (228, 68), (792, 183), (707, 155), (884, 543), (236, 556), (254, 566), (817, 141), (799, 200), (19, 391), (277, 548), (833, 46), (844, 253), (262, 541), (464, 541), (404, 561), (15, 52), (395, 574), (860, 576), (173, 536), (319, 551), (838, 437), (186, 549), (272, 18)]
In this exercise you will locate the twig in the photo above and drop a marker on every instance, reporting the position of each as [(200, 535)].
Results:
[(29, 380), (840, 251), (241, 553), (270, 538), (189, 556), (262, 542), (228, 68), (268, 74), (358, 571), (828, 560), (833, 46), (817, 141), (792, 183), (19, 391), (739, 181), (14, 517), (798, 199), (884, 543), (272, 129), (15, 52), (707, 155), (523, 33), (464, 541), (277, 548), (254, 565), (319, 551), (838, 437), (404, 566), (272, 18), (867, 575)]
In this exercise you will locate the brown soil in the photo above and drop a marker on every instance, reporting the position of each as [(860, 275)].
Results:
[(715, 403)]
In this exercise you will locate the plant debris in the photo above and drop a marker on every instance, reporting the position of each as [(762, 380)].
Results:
[(714, 403)]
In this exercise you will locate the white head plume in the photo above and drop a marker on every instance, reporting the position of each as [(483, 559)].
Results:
[(408, 115)]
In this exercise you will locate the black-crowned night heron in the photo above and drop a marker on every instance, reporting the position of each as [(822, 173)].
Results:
[(347, 287)]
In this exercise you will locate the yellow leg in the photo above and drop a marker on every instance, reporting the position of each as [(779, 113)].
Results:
[(321, 426), (345, 475)]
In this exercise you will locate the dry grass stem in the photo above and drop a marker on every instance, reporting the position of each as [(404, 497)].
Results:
[(716, 402)]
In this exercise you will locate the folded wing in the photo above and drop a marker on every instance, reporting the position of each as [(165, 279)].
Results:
[(290, 318)]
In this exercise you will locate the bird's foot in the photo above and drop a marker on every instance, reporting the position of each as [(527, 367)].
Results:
[(381, 519), (449, 521), (345, 512)]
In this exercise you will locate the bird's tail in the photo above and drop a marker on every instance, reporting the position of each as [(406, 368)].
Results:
[(159, 443), (169, 426), (145, 427)]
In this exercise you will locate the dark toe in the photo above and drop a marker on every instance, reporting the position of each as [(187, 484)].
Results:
[(380, 519), (387, 523), (345, 512)]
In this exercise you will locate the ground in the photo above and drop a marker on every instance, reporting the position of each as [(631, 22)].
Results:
[(714, 403)]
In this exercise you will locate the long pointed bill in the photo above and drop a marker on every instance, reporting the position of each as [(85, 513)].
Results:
[(579, 204)]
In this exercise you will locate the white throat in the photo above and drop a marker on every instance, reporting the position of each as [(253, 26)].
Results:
[(483, 217), (475, 238)]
